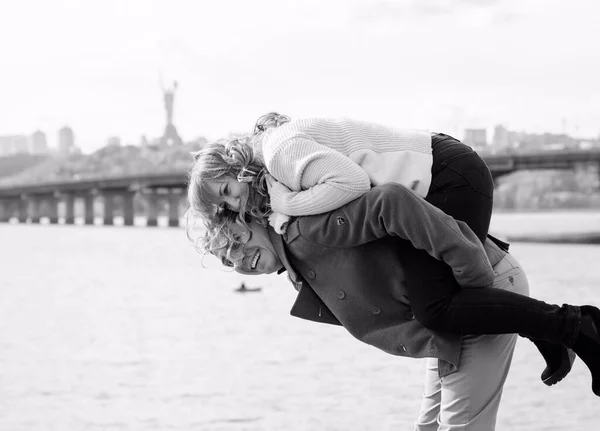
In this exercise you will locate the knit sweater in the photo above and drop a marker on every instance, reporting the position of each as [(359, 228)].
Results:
[(322, 164)]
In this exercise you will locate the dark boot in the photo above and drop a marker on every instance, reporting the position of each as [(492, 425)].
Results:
[(587, 344), (559, 361)]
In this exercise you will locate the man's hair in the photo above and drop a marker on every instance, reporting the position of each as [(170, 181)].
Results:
[(217, 237)]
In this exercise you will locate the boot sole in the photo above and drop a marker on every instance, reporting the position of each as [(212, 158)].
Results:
[(566, 364)]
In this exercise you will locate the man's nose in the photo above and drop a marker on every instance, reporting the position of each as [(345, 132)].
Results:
[(237, 256)]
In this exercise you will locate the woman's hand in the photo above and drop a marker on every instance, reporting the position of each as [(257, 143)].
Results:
[(270, 182), (278, 221)]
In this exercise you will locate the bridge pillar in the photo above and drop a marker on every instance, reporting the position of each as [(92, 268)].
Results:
[(69, 209), (53, 206), (12, 208), (128, 208), (4, 207), (35, 205), (89, 208), (174, 198), (152, 219), (23, 209), (109, 208)]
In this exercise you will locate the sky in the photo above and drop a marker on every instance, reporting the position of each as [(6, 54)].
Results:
[(441, 65)]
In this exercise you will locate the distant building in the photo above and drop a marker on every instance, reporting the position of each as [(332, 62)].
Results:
[(533, 142), (66, 141), (476, 138), (38, 143), (500, 139), (113, 141), (13, 144), (504, 139)]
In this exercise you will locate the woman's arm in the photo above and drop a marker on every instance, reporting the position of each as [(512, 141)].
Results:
[(313, 179)]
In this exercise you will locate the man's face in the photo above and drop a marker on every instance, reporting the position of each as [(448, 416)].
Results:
[(256, 255)]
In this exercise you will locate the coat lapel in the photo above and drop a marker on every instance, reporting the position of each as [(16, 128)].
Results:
[(308, 305)]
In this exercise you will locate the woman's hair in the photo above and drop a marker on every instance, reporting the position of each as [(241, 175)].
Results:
[(217, 161), (270, 120)]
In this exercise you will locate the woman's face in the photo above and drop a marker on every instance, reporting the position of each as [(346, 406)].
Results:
[(229, 193)]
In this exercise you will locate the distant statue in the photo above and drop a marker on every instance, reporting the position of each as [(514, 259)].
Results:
[(169, 94), (170, 134)]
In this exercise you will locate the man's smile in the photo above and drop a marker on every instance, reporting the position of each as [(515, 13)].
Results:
[(255, 260)]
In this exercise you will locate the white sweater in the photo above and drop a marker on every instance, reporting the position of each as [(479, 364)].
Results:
[(322, 164)]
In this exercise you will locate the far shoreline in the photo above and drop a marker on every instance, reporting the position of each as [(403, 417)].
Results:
[(564, 226)]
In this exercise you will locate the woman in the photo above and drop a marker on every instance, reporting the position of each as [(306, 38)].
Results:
[(321, 164)]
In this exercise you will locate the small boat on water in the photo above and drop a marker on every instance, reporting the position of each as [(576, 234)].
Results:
[(244, 289)]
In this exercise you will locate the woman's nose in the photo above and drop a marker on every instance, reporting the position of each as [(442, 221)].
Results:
[(234, 203)]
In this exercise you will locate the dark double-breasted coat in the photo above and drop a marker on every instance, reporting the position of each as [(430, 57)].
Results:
[(347, 267)]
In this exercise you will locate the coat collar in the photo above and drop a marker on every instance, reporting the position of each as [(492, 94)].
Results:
[(279, 246)]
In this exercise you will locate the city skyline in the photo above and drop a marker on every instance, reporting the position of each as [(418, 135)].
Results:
[(441, 65)]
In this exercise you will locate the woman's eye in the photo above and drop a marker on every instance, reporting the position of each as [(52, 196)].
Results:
[(235, 246)]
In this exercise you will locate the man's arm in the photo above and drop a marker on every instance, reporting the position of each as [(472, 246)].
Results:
[(394, 210)]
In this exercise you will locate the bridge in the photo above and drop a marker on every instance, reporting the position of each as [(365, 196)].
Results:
[(502, 164), (32, 202)]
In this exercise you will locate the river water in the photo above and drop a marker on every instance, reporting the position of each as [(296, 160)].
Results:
[(113, 328)]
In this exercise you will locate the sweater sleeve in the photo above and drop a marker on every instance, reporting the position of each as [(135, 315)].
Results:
[(317, 179), (394, 210)]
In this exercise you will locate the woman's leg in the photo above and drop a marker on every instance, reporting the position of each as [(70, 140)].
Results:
[(440, 304), (462, 186)]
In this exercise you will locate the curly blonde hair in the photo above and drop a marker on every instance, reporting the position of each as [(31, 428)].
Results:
[(218, 238), (270, 120), (220, 160), (217, 161)]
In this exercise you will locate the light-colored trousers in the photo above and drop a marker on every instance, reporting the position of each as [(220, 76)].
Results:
[(468, 399)]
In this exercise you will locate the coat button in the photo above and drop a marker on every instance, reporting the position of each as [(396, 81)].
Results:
[(375, 310), (409, 315), (341, 294), (311, 274), (402, 348), (340, 221)]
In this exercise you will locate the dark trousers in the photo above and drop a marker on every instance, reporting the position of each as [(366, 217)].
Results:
[(462, 187), (461, 184)]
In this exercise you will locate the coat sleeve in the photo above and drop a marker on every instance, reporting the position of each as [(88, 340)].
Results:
[(313, 178), (394, 210)]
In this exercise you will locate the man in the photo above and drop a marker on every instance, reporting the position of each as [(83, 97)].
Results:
[(347, 267)]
